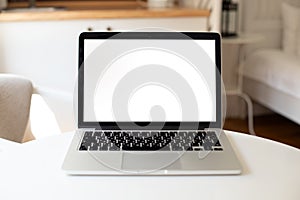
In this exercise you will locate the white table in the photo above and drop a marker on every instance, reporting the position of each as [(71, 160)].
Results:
[(241, 40), (6, 144), (33, 171)]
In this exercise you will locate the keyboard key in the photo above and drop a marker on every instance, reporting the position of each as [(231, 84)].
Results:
[(82, 148), (218, 149)]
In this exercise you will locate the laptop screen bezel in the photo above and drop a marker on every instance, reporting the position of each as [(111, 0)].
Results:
[(145, 125)]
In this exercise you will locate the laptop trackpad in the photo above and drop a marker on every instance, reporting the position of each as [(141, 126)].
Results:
[(147, 162)]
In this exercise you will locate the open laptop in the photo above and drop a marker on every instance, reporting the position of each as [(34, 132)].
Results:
[(149, 103)]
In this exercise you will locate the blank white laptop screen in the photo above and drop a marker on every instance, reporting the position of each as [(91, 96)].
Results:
[(152, 100)]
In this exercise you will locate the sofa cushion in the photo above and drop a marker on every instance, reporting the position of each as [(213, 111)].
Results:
[(276, 69)]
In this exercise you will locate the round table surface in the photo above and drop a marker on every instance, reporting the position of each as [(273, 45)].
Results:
[(271, 170)]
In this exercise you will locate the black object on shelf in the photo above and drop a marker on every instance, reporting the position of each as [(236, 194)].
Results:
[(229, 18)]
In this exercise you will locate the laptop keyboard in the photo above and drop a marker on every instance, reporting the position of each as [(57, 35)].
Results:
[(150, 141)]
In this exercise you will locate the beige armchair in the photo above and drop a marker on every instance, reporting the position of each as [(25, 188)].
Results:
[(15, 99)]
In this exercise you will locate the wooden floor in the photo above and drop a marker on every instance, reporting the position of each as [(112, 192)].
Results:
[(273, 127)]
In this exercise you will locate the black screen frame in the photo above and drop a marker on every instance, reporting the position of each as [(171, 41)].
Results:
[(154, 125)]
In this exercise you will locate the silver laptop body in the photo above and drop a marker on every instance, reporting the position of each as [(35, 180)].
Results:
[(97, 149)]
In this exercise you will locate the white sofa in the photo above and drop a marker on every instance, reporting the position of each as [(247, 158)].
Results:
[(271, 75)]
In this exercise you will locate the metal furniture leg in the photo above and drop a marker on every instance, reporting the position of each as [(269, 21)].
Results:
[(249, 107)]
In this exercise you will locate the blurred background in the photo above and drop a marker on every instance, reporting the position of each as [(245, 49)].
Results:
[(261, 54)]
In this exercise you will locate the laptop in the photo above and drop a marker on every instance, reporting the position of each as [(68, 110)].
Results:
[(150, 103)]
